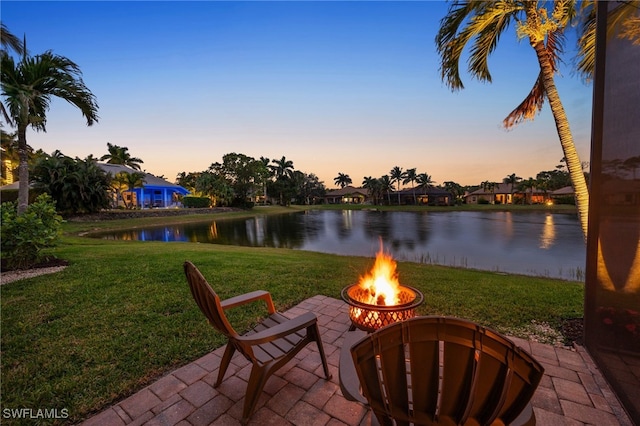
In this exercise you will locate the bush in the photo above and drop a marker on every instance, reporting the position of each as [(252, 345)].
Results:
[(24, 236), (196, 202)]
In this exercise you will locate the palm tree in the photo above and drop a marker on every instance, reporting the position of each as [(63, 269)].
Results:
[(512, 179), (622, 21), (27, 87), (127, 182), (282, 168), (265, 174), (527, 184), (8, 41), (386, 185), (410, 177), (120, 155), (397, 175), (342, 180), (424, 180), (481, 23), (373, 186)]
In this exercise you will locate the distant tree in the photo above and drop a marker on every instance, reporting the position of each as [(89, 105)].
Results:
[(455, 189), (410, 177), (282, 168), (424, 180), (120, 155), (28, 86), (342, 180), (77, 186), (127, 182), (527, 184), (187, 181), (397, 175), (512, 179), (386, 186), (309, 188), (215, 186), (373, 187), (243, 174), (265, 174)]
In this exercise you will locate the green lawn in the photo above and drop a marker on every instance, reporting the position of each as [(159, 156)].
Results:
[(120, 315)]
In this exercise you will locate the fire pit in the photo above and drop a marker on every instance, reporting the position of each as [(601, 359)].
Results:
[(378, 299)]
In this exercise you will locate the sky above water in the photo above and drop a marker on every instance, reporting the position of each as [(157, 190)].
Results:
[(348, 87)]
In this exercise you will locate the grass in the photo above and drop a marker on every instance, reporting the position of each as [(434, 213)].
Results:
[(121, 315)]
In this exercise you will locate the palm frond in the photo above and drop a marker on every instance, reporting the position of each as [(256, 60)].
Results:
[(529, 107)]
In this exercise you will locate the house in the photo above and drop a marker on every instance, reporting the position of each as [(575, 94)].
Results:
[(426, 196), (504, 193), (155, 192), (347, 195)]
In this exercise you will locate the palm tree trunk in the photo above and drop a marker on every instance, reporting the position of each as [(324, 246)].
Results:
[(23, 170), (564, 133)]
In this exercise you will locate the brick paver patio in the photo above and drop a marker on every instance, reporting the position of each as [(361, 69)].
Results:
[(572, 392)]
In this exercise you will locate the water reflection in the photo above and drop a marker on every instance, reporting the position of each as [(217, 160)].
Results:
[(517, 242), (548, 233)]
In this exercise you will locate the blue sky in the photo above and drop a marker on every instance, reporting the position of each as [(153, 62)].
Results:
[(335, 87)]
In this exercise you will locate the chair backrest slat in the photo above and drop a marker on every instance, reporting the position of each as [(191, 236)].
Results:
[(207, 300), (444, 370)]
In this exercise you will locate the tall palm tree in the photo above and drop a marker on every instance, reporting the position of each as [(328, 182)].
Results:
[(397, 175), (120, 155), (372, 185), (342, 180), (512, 179), (282, 168), (27, 87), (410, 177), (424, 180), (127, 182), (480, 24), (264, 176), (386, 185), (8, 42)]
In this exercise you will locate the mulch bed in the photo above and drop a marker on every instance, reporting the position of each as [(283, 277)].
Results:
[(48, 262)]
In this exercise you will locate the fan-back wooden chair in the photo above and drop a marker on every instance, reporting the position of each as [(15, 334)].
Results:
[(441, 371), (268, 346)]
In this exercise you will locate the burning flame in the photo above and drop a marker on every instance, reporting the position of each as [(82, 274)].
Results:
[(381, 283)]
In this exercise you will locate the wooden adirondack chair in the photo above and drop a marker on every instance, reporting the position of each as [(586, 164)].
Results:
[(440, 371), (268, 346)]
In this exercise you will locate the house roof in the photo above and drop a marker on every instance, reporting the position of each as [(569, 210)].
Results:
[(149, 179), (424, 191), (347, 190), (566, 190)]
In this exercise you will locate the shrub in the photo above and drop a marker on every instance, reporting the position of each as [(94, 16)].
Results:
[(196, 202), (24, 236)]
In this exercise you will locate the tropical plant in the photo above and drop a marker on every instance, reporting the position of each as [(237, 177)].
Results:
[(623, 21), (410, 177), (424, 180), (282, 168), (77, 186), (342, 180), (23, 236), (373, 187), (127, 182), (386, 186), (527, 184), (243, 173), (28, 87), (455, 189), (8, 42), (480, 24), (265, 174), (120, 155), (187, 180), (512, 179), (397, 175)]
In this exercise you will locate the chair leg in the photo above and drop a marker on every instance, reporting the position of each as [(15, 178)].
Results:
[(257, 380), (224, 364), (315, 332)]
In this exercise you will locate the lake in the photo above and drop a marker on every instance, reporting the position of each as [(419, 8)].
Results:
[(529, 243)]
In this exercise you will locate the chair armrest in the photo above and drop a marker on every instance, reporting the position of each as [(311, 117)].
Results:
[(280, 330), (253, 296), (349, 382)]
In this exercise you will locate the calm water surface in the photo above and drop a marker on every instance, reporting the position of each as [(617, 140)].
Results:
[(531, 243)]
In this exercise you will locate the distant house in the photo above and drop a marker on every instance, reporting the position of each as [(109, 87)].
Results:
[(503, 193), (347, 195), (155, 192), (426, 196)]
